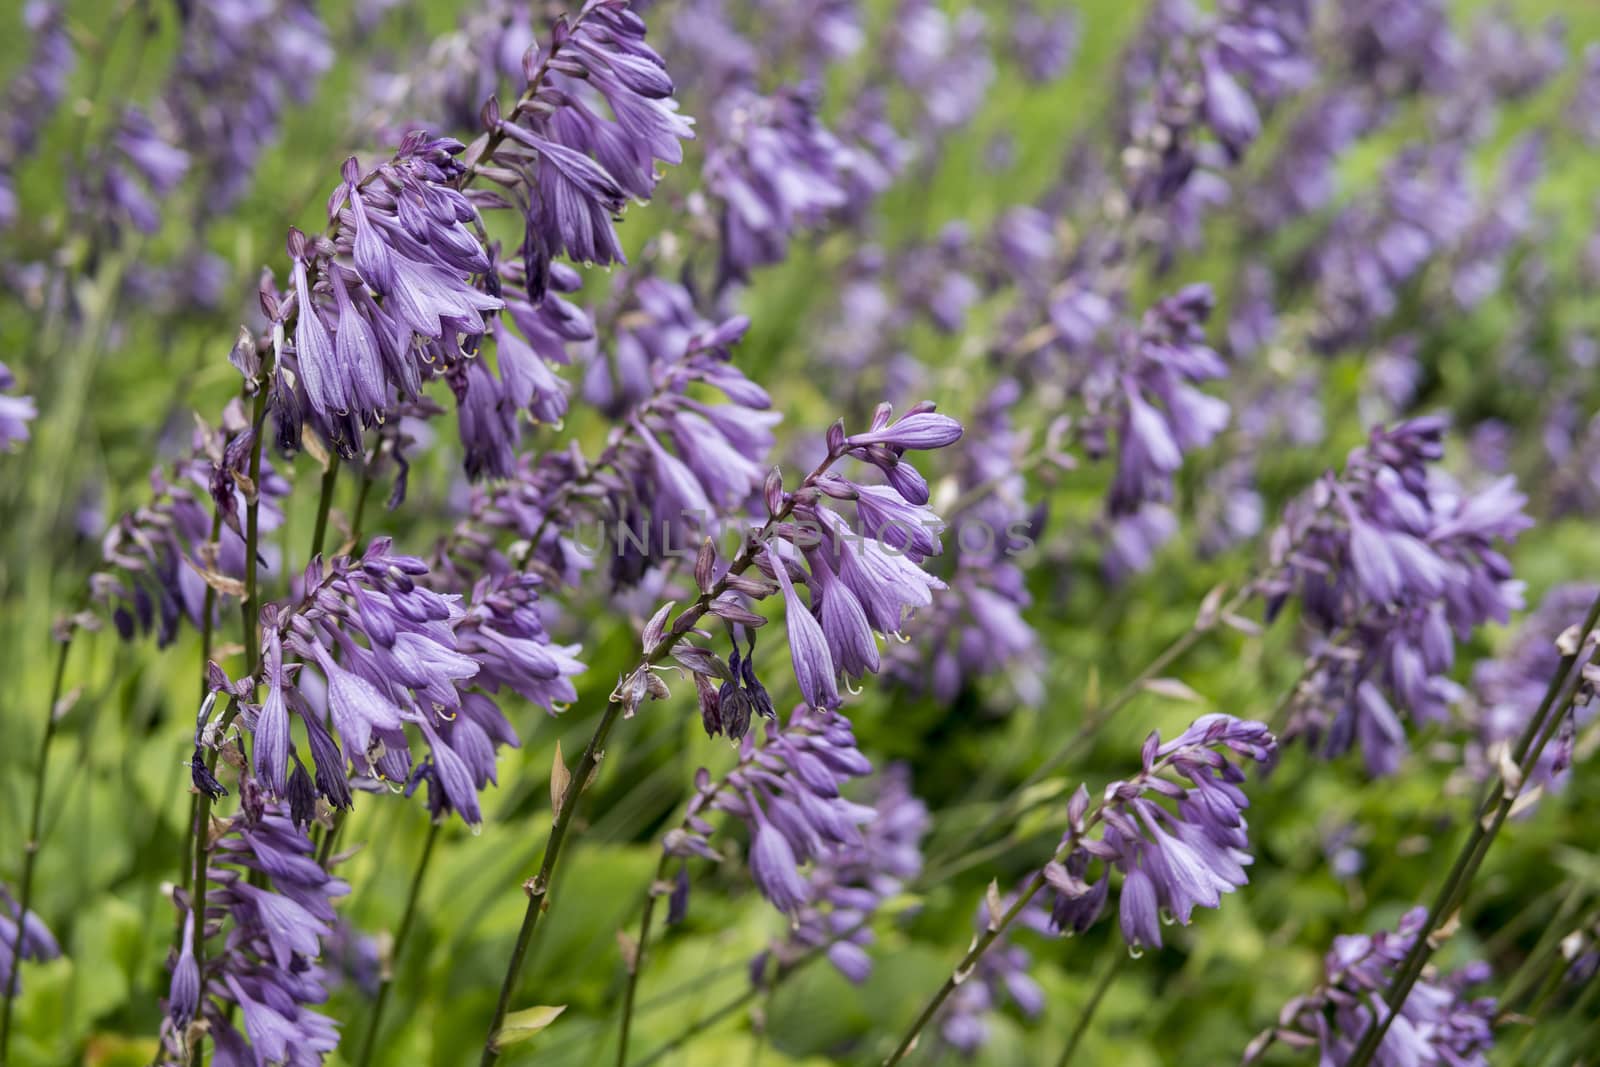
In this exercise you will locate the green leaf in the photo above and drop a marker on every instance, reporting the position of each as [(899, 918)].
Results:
[(521, 1025)]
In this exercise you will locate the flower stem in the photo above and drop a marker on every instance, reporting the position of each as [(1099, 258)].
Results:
[(30, 849), (538, 888), (636, 964), (1491, 814), (1092, 725), (963, 970), (330, 478), (1108, 974), (404, 930)]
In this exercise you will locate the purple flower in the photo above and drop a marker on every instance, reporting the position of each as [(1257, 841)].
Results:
[(1507, 690), (21, 935), (1001, 975), (1393, 562), (15, 411), (275, 904), (1179, 846), (786, 791), (1439, 1022)]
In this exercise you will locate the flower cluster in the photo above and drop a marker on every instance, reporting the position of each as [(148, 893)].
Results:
[(863, 580), (21, 935), (786, 791), (274, 902), (1439, 1022), (1393, 562), (976, 628), (672, 464), (240, 63), (390, 654), (1172, 859), (849, 881), (164, 554), (775, 170)]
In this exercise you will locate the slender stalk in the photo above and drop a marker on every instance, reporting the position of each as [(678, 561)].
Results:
[(404, 930), (538, 888), (1099, 718), (330, 479), (248, 611), (963, 970), (1108, 974), (30, 849), (636, 964), (1491, 814)]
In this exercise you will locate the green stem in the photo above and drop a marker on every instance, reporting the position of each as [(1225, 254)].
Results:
[(636, 964), (30, 849), (330, 478), (1108, 975), (1490, 815), (963, 970), (400, 936), (538, 888)]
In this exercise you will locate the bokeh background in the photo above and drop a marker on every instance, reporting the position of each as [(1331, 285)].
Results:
[(116, 391)]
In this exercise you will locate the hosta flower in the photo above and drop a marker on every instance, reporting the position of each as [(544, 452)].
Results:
[(1439, 1022), (157, 556), (21, 935), (1393, 563), (368, 657), (1176, 832), (275, 905), (239, 63), (786, 791), (848, 881), (776, 170), (976, 628)]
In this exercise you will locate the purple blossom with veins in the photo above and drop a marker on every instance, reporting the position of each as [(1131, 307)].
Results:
[(1001, 975), (1175, 831), (274, 903), (158, 556), (21, 934), (1506, 691), (405, 286), (394, 657), (15, 411), (33, 95), (1439, 1022), (786, 790), (1393, 562), (849, 881)]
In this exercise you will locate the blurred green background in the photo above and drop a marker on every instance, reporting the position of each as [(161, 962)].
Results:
[(117, 390)]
